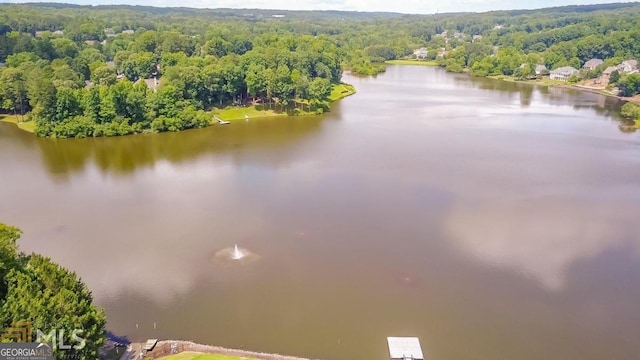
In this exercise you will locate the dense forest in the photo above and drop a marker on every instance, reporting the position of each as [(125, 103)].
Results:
[(78, 71)]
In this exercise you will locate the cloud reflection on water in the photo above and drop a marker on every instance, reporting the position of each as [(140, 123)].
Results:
[(541, 238)]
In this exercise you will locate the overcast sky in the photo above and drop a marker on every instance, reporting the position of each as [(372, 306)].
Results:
[(404, 6)]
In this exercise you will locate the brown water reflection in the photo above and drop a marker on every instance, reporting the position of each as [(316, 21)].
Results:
[(122, 155), (492, 220)]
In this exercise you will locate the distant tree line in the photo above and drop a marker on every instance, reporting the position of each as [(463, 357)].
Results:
[(92, 71)]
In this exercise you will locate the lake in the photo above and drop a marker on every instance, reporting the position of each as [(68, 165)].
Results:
[(492, 220)]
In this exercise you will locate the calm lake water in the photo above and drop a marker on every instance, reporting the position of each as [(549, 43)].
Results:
[(492, 220)]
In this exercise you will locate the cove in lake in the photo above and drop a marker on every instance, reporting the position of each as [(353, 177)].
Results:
[(493, 220)]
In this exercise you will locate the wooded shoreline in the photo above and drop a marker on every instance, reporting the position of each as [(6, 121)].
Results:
[(233, 113)]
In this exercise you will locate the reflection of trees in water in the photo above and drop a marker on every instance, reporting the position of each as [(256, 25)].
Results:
[(505, 89), (606, 106), (122, 155)]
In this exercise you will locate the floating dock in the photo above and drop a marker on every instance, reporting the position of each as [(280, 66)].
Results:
[(405, 348)]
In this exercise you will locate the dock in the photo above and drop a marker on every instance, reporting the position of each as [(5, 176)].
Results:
[(150, 344), (405, 348), (220, 121)]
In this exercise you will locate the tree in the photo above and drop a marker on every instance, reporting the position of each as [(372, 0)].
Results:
[(629, 85), (300, 84), (13, 89), (37, 290), (136, 103), (630, 111), (9, 235), (42, 95), (18, 59), (255, 80), (614, 77), (67, 104), (64, 48), (525, 71), (284, 87), (319, 90), (92, 103), (104, 75), (51, 297)]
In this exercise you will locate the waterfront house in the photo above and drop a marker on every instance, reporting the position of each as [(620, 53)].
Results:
[(628, 66), (592, 64), (542, 70), (421, 53), (563, 73)]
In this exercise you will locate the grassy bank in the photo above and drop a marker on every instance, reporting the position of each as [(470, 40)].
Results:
[(233, 113), (546, 81), (341, 91), (411, 62), (29, 126), (238, 113), (200, 356)]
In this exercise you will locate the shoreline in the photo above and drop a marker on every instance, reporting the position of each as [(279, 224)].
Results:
[(544, 82), (338, 92), (559, 84), (411, 62), (164, 348), (28, 126), (235, 113)]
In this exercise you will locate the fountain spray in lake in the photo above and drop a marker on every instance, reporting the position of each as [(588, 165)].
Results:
[(237, 253), (234, 254)]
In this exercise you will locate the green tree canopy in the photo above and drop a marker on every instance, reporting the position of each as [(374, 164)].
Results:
[(36, 290)]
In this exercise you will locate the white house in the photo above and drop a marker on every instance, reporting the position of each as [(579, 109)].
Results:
[(563, 73), (628, 66), (421, 53)]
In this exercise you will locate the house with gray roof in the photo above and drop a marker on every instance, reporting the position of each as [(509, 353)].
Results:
[(541, 70), (592, 64), (563, 73), (628, 66)]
